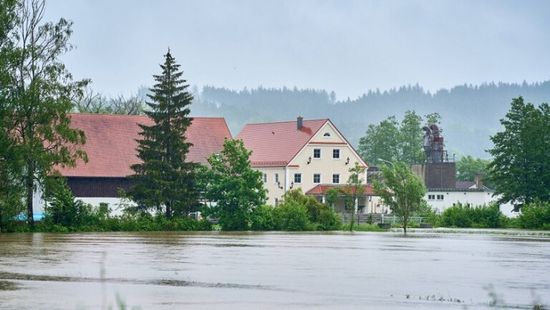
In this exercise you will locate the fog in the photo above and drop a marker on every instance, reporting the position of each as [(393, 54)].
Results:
[(345, 46)]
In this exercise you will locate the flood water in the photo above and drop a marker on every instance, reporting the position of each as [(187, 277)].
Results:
[(273, 271)]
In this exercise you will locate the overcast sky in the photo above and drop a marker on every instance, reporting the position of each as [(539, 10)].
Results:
[(345, 46)]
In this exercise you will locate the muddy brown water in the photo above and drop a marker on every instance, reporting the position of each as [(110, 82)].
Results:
[(273, 271)]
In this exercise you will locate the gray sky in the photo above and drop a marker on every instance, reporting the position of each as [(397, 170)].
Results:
[(345, 46)]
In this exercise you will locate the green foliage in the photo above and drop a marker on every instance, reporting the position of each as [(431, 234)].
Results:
[(468, 167), (392, 141), (331, 196), (354, 189), (292, 216), (86, 218), (433, 118), (233, 187), (164, 180), (365, 227), (520, 169), (321, 216), (535, 215), (381, 141), (466, 216), (64, 210), (401, 190), (263, 218), (36, 93), (297, 212), (410, 138), (430, 215)]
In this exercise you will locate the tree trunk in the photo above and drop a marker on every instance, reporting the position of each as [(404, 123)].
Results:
[(30, 193), (405, 221), (168, 213)]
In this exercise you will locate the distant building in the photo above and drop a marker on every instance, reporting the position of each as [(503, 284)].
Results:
[(302, 154), (438, 174), (111, 149)]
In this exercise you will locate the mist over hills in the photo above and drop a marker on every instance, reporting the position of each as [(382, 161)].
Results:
[(470, 113)]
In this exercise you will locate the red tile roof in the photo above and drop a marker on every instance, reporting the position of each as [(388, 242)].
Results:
[(111, 142), (275, 144), (322, 189)]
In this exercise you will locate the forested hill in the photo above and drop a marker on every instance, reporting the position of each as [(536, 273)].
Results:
[(470, 114)]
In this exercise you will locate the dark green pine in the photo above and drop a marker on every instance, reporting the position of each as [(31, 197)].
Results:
[(165, 180)]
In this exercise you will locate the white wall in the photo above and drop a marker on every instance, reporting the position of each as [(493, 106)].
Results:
[(116, 205), (465, 197)]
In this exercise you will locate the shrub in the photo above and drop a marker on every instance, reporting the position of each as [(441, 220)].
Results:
[(328, 219), (262, 218), (430, 215), (64, 210), (466, 216), (535, 216), (291, 216)]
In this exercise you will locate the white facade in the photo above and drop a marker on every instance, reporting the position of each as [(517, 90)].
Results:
[(325, 159), (441, 199)]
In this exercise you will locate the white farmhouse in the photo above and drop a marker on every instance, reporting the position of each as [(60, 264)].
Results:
[(299, 154)]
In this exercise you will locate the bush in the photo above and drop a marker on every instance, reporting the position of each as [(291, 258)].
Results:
[(466, 216), (365, 227), (535, 216), (320, 215), (64, 210), (432, 217), (262, 218), (292, 216)]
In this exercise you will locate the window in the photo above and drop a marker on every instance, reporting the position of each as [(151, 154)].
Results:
[(316, 153), (431, 197), (439, 197), (327, 134), (276, 178), (265, 177), (297, 178), (316, 178), (336, 178), (336, 153)]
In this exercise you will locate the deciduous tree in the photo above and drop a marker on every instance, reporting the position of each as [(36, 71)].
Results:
[(233, 186), (401, 190), (42, 96), (394, 141), (355, 189), (468, 168), (520, 169)]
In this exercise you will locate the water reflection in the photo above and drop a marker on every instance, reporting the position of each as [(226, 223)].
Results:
[(271, 270)]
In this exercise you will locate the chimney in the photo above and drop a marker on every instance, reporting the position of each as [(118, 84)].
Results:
[(478, 180), (299, 122)]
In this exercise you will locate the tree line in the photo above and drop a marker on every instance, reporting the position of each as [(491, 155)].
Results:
[(37, 94)]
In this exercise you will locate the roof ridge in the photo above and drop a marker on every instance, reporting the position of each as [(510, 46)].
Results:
[(136, 115), (291, 121)]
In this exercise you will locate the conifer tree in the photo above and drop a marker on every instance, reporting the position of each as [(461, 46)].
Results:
[(165, 180)]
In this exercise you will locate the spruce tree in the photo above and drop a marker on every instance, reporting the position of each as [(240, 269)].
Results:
[(164, 180)]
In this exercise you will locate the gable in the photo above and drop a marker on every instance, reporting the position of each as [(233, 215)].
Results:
[(327, 134), (328, 137)]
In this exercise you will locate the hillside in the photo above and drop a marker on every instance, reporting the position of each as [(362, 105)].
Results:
[(470, 113)]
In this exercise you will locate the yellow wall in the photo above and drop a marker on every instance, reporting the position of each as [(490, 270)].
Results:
[(326, 165)]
